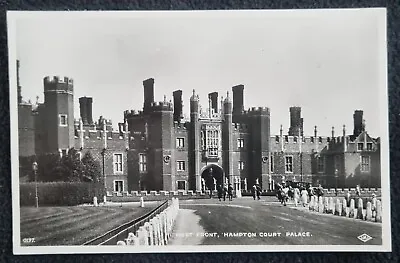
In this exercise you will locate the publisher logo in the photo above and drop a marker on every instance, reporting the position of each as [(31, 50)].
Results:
[(364, 238)]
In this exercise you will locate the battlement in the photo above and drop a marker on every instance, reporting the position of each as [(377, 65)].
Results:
[(57, 83), (308, 139), (162, 106), (240, 127), (99, 134), (258, 110), (180, 126), (132, 113)]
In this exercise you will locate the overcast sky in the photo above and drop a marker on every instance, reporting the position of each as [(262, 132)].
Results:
[(327, 62)]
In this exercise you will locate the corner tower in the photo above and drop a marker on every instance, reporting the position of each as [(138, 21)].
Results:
[(227, 160), (194, 144), (59, 113)]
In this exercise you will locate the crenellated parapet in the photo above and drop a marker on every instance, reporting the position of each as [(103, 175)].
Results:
[(178, 126), (258, 111), (162, 106), (58, 84), (240, 127)]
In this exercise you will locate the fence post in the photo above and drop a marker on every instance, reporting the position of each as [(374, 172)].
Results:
[(338, 208), (378, 211), (352, 207), (345, 209), (326, 205), (141, 201), (320, 204), (104, 199), (149, 230), (368, 215), (95, 201)]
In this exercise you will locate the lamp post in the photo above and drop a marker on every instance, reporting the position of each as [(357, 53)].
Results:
[(35, 168)]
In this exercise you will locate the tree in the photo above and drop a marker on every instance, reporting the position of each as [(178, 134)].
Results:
[(71, 167), (91, 168), (48, 165)]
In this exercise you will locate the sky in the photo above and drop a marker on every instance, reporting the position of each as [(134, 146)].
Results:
[(327, 61)]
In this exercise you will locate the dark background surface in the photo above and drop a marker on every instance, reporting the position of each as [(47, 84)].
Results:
[(393, 12)]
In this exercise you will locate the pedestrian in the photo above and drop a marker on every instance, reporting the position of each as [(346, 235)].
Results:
[(230, 192), (304, 196), (225, 190), (219, 192), (254, 192), (348, 198), (296, 196), (358, 190), (258, 189), (285, 196)]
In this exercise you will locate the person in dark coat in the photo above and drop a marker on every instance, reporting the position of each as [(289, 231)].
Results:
[(220, 190), (258, 191), (225, 190), (230, 192)]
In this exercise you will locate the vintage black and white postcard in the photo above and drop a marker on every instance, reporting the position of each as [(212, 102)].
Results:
[(198, 131)]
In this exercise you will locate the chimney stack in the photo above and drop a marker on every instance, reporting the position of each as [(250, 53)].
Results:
[(296, 122), (238, 106), (148, 86), (213, 97), (178, 113), (358, 122), (85, 105)]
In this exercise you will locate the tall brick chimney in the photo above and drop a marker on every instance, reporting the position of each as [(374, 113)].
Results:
[(148, 86), (213, 96), (238, 106), (85, 106), (178, 107), (296, 122), (358, 122)]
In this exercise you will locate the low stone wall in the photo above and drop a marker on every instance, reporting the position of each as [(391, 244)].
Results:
[(136, 196), (157, 231), (357, 208)]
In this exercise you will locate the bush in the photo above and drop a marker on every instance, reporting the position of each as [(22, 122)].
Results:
[(60, 193)]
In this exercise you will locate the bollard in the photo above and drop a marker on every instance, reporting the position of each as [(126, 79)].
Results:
[(95, 201), (320, 205), (104, 199), (121, 243), (378, 211), (345, 209), (311, 205), (368, 215), (332, 207), (360, 209), (326, 205), (141, 201), (338, 208), (351, 209)]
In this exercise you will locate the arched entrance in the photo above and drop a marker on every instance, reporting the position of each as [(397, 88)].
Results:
[(212, 175)]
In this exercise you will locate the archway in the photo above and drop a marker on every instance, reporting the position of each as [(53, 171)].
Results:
[(213, 176)]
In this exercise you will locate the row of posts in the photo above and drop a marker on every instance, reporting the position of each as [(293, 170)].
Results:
[(157, 231), (372, 212)]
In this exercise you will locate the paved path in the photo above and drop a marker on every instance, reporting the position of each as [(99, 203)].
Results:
[(247, 222)]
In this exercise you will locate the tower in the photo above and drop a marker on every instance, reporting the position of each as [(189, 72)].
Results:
[(194, 144), (58, 114), (259, 122), (227, 139)]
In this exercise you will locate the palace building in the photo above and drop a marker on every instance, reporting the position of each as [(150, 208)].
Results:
[(157, 149)]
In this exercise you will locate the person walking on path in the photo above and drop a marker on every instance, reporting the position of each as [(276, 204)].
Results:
[(304, 196), (254, 191), (225, 192), (230, 192), (358, 190), (219, 192), (296, 194), (258, 190)]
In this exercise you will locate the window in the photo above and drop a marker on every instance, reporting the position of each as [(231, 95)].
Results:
[(117, 162), (64, 152), (295, 139), (180, 165), (241, 165), (63, 120), (288, 164), (210, 140), (142, 163), (338, 164), (360, 146), (321, 164), (118, 186), (240, 143), (369, 146), (276, 139), (180, 143), (181, 185), (271, 164), (286, 139), (365, 164)]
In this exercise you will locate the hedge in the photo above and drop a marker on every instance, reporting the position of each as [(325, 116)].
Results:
[(60, 193)]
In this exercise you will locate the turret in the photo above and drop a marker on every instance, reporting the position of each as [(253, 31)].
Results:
[(227, 139), (194, 144)]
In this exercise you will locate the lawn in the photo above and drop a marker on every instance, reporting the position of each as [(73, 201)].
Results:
[(59, 226)]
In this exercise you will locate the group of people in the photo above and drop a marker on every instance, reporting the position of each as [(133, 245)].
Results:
[(223, 191), (300, 195)]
